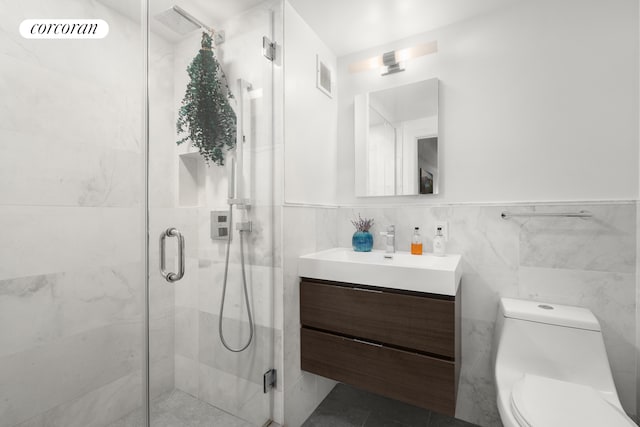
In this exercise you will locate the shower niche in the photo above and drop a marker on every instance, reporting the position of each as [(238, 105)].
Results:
[(200, 184), (190, 180)]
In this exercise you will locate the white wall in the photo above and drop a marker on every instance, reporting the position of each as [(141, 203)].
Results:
[(310, 177), (311, 117), (539, 86)]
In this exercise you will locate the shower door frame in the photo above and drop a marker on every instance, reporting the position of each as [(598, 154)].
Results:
[(146, 380)]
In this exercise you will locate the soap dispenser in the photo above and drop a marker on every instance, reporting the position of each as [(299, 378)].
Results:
[(439, 243), (416, 242)]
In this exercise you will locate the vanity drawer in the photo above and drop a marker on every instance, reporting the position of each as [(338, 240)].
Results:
[(410, 377), (414, 322)]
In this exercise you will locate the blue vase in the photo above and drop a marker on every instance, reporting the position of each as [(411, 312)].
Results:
[(362, 241)]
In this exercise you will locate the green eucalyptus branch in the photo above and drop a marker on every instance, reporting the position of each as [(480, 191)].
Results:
[(206, 116)]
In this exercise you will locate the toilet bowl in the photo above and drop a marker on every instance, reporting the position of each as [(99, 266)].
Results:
[(551, 368)]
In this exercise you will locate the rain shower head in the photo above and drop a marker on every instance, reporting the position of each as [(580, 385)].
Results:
[(181, 21)]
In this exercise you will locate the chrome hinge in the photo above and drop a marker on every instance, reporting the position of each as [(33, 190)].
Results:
[(269, 380), (268, 48)]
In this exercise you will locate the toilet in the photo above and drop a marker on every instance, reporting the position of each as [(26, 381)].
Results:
[(551, 368)]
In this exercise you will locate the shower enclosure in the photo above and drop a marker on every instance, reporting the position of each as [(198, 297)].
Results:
[(97, 197)]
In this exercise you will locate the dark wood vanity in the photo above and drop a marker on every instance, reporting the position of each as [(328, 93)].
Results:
[(401, 344)]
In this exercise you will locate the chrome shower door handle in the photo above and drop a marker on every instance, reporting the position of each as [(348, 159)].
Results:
[(169, 276)]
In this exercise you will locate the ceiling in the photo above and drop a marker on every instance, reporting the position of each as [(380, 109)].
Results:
[(210, 12), (348, 26), (215, 11)]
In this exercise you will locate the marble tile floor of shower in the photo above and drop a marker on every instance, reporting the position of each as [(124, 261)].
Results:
[(346, 406), (179, 409)]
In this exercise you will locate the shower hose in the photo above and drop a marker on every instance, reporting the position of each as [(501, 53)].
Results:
[(244, 287)]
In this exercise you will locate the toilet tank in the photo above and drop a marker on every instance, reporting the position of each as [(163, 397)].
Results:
[(551, 340)]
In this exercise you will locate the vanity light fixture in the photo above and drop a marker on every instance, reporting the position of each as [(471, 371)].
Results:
[(392, 61)]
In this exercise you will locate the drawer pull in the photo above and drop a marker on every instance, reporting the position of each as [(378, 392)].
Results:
[(367, 290), (367, 343)]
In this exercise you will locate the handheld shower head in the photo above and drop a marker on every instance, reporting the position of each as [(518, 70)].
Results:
[(231, 192)]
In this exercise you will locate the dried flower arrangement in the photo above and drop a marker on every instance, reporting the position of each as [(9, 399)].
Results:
[(362, 224)]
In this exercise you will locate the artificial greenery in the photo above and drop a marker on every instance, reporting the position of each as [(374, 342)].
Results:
[(206, 115)]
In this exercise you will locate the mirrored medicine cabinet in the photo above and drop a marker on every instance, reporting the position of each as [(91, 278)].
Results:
[(396, 140)]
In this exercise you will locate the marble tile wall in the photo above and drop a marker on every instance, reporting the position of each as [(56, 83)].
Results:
[(71, 276), (71, 292), (203, 367), (305, 230), (590, 263)]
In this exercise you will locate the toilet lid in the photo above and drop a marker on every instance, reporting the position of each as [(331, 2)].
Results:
[(545, 402)]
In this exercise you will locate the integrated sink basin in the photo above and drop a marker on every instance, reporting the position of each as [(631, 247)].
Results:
[(420, 273)]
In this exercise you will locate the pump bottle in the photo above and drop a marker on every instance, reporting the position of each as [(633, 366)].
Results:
[(439, 243), (416, 242)]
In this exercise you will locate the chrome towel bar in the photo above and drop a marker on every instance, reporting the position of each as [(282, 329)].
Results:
[(580, 214)]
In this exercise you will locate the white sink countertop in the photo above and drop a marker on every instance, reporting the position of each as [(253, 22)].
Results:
[(420, 273)]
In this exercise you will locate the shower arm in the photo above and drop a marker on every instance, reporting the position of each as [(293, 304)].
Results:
[(195, 21)]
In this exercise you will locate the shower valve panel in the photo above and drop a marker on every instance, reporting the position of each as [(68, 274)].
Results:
[(220, 226)]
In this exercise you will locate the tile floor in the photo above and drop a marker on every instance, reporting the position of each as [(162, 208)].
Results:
[(179, 409), (346, 406)]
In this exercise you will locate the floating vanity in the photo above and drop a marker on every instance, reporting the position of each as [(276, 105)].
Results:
[(390, 326)]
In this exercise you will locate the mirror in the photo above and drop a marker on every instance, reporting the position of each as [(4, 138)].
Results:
[(396, 140)]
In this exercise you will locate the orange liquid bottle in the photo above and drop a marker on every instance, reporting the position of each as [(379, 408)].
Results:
[(416, 242)]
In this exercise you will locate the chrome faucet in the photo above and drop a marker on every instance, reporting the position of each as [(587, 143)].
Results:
[(390, 234)]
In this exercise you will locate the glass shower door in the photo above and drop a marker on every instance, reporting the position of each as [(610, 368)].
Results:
[(211, 215), (71, 180)]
